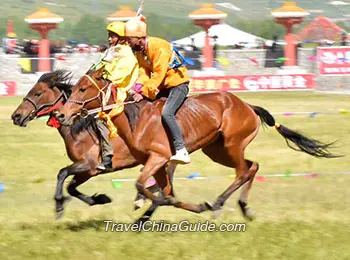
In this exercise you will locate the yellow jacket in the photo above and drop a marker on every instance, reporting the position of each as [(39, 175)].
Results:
[(121, 68), (154, 69)]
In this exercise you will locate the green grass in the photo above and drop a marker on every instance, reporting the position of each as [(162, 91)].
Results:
[(296, 217)]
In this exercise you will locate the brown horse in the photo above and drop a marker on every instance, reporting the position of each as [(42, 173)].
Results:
[(219, 123), (50, 92)]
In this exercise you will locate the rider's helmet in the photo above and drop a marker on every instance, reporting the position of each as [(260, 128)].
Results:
[(136, 27), (116, 27)]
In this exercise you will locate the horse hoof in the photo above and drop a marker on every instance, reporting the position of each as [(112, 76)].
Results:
[(249, 214), (65, 199), (101, 199), (139, 204), (172, 200), (216, 214), (209, 205), (59, 214), (213, 206), (141, 221)]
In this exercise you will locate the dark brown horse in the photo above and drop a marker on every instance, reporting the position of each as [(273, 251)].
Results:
[(50, 92), (220, 124)]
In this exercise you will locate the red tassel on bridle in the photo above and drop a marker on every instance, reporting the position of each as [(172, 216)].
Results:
[(53, 122)]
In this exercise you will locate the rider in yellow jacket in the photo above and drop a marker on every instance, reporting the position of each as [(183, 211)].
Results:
[(158, 77), (121, 69)]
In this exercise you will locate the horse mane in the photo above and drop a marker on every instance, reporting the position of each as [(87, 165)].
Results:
[(133, 112), (85, 123), (59, 78)]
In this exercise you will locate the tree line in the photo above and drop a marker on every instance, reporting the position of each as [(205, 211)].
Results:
[(90, 29)]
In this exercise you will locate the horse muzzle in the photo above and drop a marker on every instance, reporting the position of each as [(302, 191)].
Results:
[(64, 120), (22, 120)]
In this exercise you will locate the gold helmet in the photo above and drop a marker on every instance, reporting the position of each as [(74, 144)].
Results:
[(116, 27), (136, 27)]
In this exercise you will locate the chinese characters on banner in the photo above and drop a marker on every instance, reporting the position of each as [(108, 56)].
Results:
[(253, 83), (7, 88), (334, 60)]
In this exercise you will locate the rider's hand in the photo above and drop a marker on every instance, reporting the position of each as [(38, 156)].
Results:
[(131, 92), (137, 97), (137, 88)]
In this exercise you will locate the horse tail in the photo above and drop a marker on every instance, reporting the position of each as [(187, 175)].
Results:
[(301, 143), (265, 117)]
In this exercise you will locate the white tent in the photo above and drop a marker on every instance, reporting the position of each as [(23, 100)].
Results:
[(226, 35)]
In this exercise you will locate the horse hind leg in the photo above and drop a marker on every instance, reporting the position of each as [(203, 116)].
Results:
[(245, 171), (242, 202), (242, 177), (217, 152)]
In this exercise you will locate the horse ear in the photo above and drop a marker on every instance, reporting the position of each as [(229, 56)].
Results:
[(99, 73)]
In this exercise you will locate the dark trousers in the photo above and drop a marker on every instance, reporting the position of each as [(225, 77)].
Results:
[(175, 98)]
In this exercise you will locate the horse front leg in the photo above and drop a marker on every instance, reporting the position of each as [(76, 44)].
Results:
[(59, 198), (90, 200), (154, 163), (140, 199)]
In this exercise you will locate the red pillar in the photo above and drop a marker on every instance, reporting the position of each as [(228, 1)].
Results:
[(290, 39), (207, 51), (44, 50), (290, 49), (9, 27), (44, 46), (44, 56)]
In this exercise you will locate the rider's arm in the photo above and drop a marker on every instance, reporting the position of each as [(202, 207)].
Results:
[(143, 76), (160, 64)]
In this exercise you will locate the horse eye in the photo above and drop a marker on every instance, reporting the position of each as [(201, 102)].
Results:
[(82, 89), (37, 94)]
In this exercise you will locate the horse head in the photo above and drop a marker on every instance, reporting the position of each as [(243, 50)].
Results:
[(88, 93), (51, 90)]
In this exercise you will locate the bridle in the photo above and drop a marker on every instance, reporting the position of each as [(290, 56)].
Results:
[(38, 110), (101, 96)]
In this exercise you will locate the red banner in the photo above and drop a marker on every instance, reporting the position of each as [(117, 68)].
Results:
[(253, 83), (334, 60), (7, 88)]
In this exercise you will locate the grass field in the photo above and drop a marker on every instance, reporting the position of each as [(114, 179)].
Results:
[(296, 217)]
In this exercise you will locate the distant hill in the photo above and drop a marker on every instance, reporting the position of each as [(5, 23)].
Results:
[(173, 9), (83, 19)]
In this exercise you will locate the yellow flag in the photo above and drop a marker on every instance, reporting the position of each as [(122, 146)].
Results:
[(25, 64), (223, 61)]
